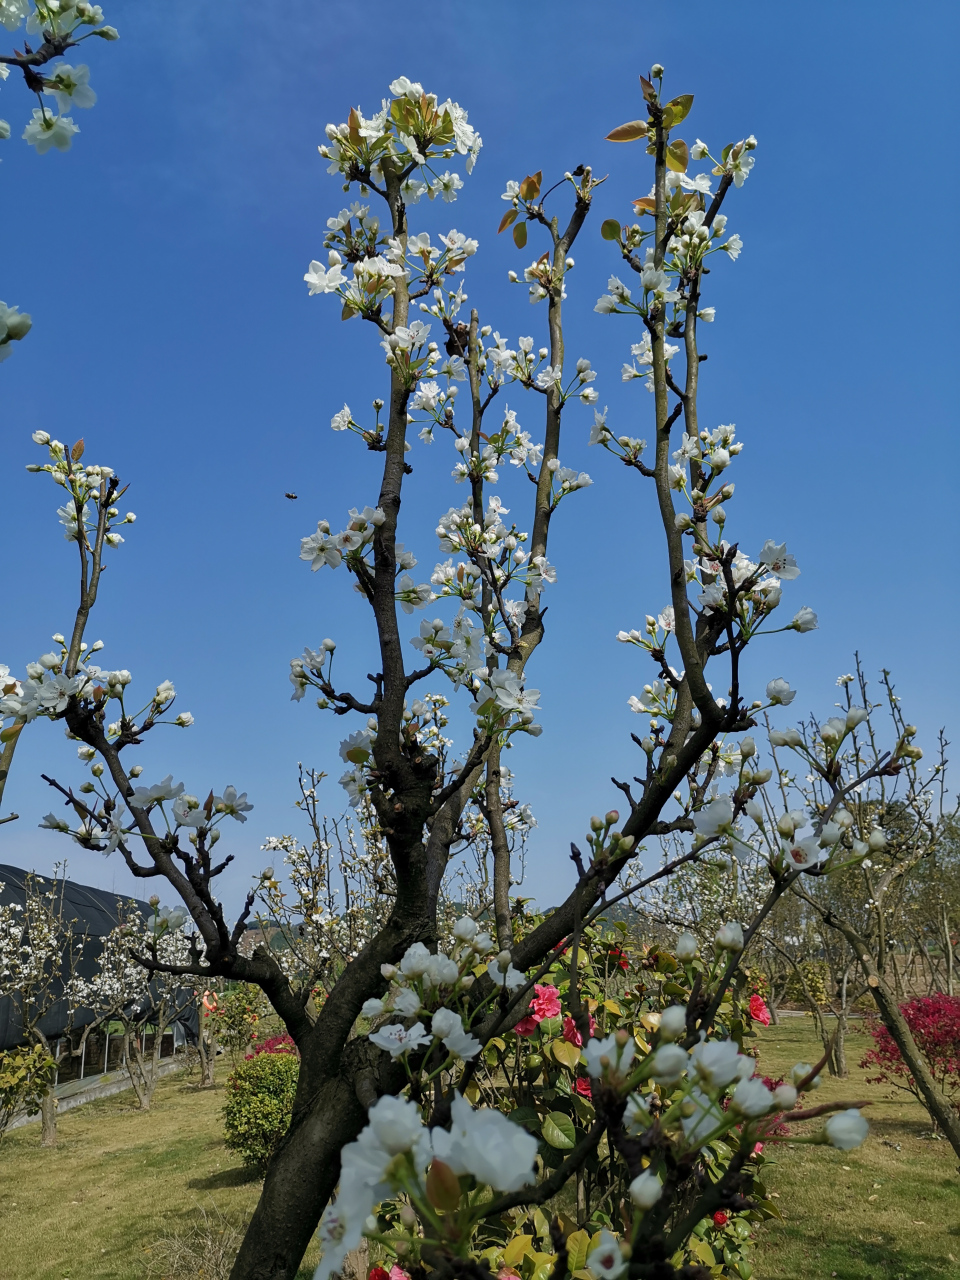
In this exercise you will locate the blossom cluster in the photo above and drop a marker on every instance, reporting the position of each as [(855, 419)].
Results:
[(65, 24), (393, 1154), (425, 983)]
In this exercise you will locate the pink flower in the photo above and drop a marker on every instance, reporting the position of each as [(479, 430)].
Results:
[(398, 1273), (546, 1002), (759, 1011), (571, 1033)]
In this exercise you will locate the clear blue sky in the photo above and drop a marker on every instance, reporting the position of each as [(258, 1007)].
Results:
[(162, 259)]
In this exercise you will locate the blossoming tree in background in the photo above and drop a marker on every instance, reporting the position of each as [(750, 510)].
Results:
[(40, 951), (635, 1111), (143, 1001)]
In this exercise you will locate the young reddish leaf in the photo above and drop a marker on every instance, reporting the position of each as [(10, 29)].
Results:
[(507, 220), (610, 229), (678, 156), (530, 186), (520, 234), (628, 132), (76, 453), (649, 92), (646, 204), (443, 1187)]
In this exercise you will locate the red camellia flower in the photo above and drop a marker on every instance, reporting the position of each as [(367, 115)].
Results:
[(378, 1273), (618, 958), (582, 1086), (545, 1004), (720, 1219), (571, 1033), (758, 1010)]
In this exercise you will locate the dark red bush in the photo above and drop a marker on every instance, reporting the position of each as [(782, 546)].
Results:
[(935, 1024), (276, 1044)]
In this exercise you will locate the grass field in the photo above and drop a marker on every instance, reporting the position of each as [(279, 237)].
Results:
[(887, 1211), (120, 1180)]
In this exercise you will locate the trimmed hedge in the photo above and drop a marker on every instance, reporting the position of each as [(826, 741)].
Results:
[(259, 1104)]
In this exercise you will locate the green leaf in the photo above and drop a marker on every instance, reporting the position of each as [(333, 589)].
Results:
[(527, 1117), (610, 229), (628, 132), (520, 235), (566, 1053), (507, 220), (679, 107), (704, 1252), (516, 1248), (678, 156), (558, 1130), (578, 1245)]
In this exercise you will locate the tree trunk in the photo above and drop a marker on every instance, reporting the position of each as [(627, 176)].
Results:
[(300, 1180), (134, 1064), (208, 1058), (948, 951), (48, 1119)]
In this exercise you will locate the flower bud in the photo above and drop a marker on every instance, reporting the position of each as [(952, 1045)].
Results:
[(656, 71), (596, 824), (762, 775), (730, 937), (611, 817), (673, 1022), (785, 1097), (877, 840), (389, 971), (686, 947), (503, 961), (748, 748)]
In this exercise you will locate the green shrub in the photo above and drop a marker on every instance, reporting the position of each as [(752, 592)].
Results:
[(259, 1105)]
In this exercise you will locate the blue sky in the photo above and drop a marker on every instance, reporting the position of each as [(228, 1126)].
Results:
[(162, 260)]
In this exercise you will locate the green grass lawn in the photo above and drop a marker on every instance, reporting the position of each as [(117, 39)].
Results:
[(119, 1180), (887, 1211)]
